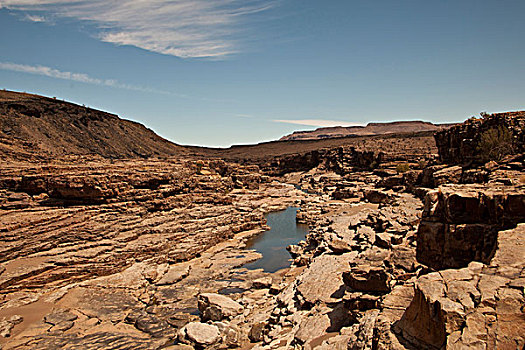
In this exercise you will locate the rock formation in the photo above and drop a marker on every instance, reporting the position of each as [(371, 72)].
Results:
[(369, 130), (464, 143), (404, 251)]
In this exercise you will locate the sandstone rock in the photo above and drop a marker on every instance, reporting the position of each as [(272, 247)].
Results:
[(451, 175), (404, 258), (377, 196), (366, 279), (472, 176), (391, 182), (339, 245), (8, 323), (335, 342), (383, 240), (229, 333), (150, 324), (312, 327), (217, 307), (361, 301), (365, 332), (257, 331), (424, 325), (460, 144), (174, 274), (262, 283), (59, 317), (200, 334), (460, 223), (62, 327), (473, 306), (322, 280)]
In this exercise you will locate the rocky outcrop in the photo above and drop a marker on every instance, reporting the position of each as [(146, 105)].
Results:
[(337, 159), (480, 306), (217, 307), (463, 143), (460, 224)]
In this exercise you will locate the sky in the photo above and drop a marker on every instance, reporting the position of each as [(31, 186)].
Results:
[(223, 72)]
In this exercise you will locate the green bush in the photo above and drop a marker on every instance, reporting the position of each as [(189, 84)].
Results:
[(495, 143), (402, 168)]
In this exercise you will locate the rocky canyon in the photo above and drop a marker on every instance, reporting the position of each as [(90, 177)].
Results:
[(113, 238)]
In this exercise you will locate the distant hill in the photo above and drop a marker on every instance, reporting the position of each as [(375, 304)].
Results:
[(33, 126), (370, 129)]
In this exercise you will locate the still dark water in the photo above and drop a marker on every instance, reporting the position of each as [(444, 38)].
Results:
[(272, 244)]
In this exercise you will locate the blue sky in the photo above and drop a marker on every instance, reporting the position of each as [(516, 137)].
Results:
[(223, 72)]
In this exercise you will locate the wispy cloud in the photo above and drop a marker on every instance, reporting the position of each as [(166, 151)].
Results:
[(316, 122), (183, 28), (80, 77), (34, 18)]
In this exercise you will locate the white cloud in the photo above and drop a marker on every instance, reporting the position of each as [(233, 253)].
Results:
[(80, 77), (35, 18), (183, 28), (316, 122)]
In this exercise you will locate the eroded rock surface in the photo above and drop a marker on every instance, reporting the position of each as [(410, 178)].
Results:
[(403, 252), (480, 306)]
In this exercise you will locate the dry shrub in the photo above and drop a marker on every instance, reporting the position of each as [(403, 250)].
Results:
[(495, 143), (402, 168)]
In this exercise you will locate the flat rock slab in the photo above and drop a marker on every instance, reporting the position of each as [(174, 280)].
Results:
[(322, 280), (217, 307), (174, 274)]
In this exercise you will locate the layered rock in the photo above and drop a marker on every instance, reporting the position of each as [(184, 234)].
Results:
[(102, 253), (460, 224), (463, 143), (480, 306)]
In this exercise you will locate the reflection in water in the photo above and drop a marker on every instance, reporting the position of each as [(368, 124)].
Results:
[(272, 244)]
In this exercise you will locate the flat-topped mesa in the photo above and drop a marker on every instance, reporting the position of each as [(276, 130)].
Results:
[(479, 140), (406, 126)]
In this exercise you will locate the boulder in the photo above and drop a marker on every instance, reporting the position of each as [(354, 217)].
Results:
[(322, 280), (217, 307), (447, 175), (60, 316), (366, 279), (200, 334), (257, 331), (378, 196)]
